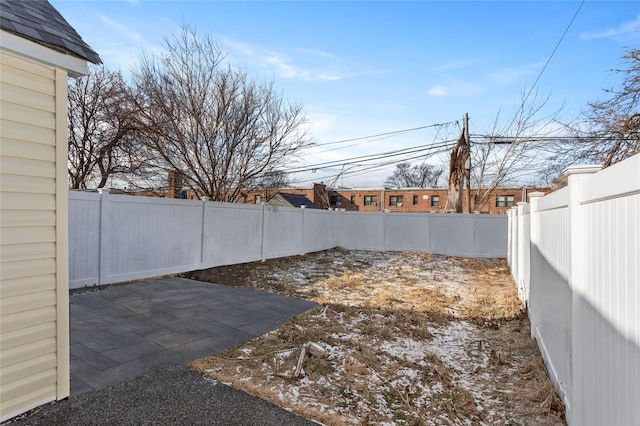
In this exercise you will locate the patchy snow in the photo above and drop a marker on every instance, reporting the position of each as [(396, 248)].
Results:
[(407, 349), (403, 337)]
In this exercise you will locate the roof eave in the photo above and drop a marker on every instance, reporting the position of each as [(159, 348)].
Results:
[(23, 47)]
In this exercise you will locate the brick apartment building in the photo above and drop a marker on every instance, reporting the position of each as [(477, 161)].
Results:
[(394, 200), (373, 199)]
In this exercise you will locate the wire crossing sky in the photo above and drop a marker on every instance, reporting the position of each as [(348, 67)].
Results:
[(380, 77)]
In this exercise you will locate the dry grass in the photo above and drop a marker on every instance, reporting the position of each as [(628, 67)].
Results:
[(411, 339)]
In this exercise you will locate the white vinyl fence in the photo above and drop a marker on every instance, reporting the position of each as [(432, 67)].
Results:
[(575, 256), (115, 238)]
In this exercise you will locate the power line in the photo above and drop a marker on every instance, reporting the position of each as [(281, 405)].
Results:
[(396, 132), (362, 164), (370, 157), (506, 140), (387, 164), (546, 63), (367, 168)]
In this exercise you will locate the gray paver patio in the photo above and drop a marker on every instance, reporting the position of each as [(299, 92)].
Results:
[(123, 331)]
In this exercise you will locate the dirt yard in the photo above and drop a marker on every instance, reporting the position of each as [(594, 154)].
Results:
[(399, 339)]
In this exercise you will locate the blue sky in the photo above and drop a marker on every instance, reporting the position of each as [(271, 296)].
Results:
[(368, 67)]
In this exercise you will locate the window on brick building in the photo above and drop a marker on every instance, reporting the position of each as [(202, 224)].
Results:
[(415, 200), (435, 201), (504, 201), (258, 199), (395, 200), (336, 200), (353, 199), (370, 200)]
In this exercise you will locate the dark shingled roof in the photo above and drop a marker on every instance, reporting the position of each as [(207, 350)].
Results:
[(297, 200), (40, 22)]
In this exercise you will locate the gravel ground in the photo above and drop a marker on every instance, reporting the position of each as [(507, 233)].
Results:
[(169, 396)]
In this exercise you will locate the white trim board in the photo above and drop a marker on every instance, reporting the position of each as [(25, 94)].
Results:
[(20, 46)]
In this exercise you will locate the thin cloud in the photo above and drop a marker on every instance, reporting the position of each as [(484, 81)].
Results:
[(624, 32), (123, 30), (317, 53), (285, 67), (242, 48), (438, 91), (321, 122), (119, 46), (456, 88), (514, 75), (299, 64)]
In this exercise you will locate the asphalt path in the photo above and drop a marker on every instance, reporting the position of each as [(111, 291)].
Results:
[(174, 395)]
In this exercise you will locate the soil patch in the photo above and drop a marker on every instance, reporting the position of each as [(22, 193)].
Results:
[(400, 338)]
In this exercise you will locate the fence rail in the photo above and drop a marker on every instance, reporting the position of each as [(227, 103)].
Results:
[(575, 257), (114, 238)]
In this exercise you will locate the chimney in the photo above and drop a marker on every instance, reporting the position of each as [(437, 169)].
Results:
[(174, 184)]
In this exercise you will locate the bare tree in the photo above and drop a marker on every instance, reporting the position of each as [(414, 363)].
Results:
[(513, 153), (418, 176), (609, 130), (273, 180), (210, 122), (101, 129)]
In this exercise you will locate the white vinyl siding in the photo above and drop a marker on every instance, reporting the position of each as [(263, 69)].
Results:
[(33, 213)]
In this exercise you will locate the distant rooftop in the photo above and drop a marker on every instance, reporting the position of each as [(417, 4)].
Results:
[(38, 21), (298, 200)]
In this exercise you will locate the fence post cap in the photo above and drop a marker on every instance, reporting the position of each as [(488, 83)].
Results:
[(103, 190), (536, 194), (582, 169)]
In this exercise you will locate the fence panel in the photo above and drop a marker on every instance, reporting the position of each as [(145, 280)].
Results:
[(120, 237), (84, 238), (362, 230), (550, 297), (524, 241), (149, 237), (319, 232), (407, 231), (490, 236), (609, 298), (584, 289), (282, 232), (232, 234), (452, 235), (513, 242)]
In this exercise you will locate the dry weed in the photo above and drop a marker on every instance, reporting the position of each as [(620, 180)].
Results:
[(411, 339)]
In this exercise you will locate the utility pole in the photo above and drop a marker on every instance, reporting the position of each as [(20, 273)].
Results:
[(458, 170), (467, 163)]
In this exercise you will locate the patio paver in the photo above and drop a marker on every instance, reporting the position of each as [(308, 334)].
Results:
[(123, 331)]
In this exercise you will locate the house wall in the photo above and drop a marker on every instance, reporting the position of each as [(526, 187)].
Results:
[(34, 328), (578, 250)]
